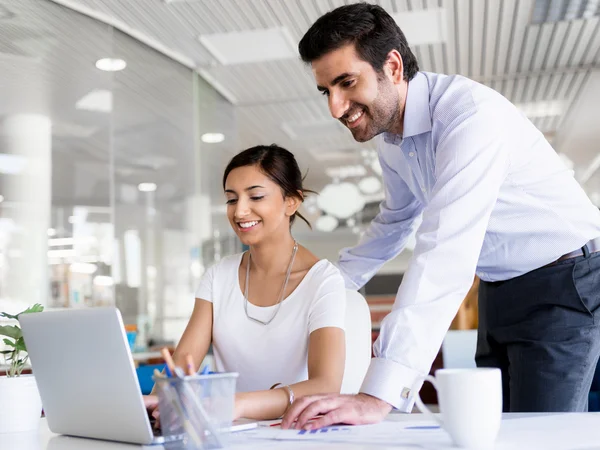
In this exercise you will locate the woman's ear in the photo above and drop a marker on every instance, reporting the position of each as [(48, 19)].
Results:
[(292, 205)]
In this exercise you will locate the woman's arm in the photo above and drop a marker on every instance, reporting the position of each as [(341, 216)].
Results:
[(196, 337), (326, 360)]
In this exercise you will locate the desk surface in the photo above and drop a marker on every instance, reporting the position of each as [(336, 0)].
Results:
[(44, 439)]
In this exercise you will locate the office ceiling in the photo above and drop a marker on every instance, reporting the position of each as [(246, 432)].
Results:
[(542, 55)]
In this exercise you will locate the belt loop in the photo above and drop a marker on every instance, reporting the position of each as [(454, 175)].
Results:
[(586, 251)]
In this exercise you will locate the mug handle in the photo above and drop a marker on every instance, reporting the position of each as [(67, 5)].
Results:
[(421, 406)]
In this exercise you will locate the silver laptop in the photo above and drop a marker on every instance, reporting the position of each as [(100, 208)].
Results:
[(86, 376)]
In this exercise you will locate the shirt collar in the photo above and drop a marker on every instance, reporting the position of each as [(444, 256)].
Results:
[(417, 117)]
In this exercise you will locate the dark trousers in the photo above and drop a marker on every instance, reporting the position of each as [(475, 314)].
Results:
[(542, 329)]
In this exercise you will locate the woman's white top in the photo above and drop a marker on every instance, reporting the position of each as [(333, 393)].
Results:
[(275, 353)]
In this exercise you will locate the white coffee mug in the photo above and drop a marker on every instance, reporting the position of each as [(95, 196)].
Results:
[(470, 403)]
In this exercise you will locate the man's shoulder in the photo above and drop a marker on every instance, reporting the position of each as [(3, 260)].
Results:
[(448, 90), (452, 96)]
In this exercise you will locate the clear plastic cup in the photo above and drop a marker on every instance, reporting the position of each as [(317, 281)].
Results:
[(197, 408)]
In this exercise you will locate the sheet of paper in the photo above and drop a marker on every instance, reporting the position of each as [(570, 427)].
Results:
[(385, 433), (572, 431)]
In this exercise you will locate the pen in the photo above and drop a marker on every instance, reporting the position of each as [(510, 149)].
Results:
[(170, 365), (190, 365), (279, 423)]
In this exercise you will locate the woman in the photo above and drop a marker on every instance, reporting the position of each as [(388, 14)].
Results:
[(274, 314)]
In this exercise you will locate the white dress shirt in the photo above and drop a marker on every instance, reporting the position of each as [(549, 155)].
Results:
[(496, 200)]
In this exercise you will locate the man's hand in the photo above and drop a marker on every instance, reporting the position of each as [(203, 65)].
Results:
[(359, 409)]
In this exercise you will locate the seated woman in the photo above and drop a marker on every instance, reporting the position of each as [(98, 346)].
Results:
[(275, 313)]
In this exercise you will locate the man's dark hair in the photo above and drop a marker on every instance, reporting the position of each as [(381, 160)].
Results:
[(279, 165), (369, 27)]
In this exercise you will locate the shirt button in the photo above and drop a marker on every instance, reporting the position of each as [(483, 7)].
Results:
[(424, 190), (411, 154)]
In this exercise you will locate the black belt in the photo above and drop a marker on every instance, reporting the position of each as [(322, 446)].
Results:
[(591, 246)]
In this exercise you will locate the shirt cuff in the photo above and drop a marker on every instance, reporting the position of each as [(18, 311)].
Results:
[(393, 383)]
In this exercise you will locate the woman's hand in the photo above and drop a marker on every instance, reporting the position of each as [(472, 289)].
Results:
[(239, 406), (151, 404), (150, 401)]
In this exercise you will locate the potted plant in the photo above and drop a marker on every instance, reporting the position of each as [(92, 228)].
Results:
[(20, 403)]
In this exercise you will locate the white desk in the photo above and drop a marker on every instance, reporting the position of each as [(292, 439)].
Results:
[(46, 440)]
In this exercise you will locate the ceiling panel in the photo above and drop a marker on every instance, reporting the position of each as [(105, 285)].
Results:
[(568, 45), (492, 27), (589, 37), (462, 33), (477, 20), (544, 40)]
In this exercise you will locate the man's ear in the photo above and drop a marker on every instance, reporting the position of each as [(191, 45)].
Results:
[(394, 67)]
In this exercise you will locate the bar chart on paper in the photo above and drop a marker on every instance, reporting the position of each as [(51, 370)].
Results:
[(321, 431), (385, 433)]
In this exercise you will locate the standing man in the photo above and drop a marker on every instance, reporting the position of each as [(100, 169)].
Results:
[(496, 201)]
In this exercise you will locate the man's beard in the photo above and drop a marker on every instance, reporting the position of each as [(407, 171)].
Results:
[(382, 115)]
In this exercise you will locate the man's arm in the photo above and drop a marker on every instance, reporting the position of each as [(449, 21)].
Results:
[(387, 234), (472, 161)]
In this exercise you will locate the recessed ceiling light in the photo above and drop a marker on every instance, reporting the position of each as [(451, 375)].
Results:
[(111, 64), (369, 185), (251, 46), (81, 267), (542, 109), (103, 280), (341, 200), (326, 223), (12, 164), (356, 170), (147, 187), (98, 100), (427, 26), (212, 138)]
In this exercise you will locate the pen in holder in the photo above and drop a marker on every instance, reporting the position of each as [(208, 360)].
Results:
[(200, 407)]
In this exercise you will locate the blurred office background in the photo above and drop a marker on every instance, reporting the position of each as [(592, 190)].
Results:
[(117, 118)]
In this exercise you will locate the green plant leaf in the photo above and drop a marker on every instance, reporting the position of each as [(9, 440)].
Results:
[(9, 342), (11, 331), (20, 345), (6, 352), (32, 309), (8, 316)]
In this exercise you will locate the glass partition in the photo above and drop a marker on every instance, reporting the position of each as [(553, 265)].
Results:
[(105, 180)]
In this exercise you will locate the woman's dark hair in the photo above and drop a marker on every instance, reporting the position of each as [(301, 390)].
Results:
[(369, 27), (279, 165)]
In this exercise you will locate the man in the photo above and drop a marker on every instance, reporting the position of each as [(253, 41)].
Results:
[(495, 200)]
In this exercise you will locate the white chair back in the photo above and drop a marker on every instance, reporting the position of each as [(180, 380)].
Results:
[(458, 349), (358, 342)]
